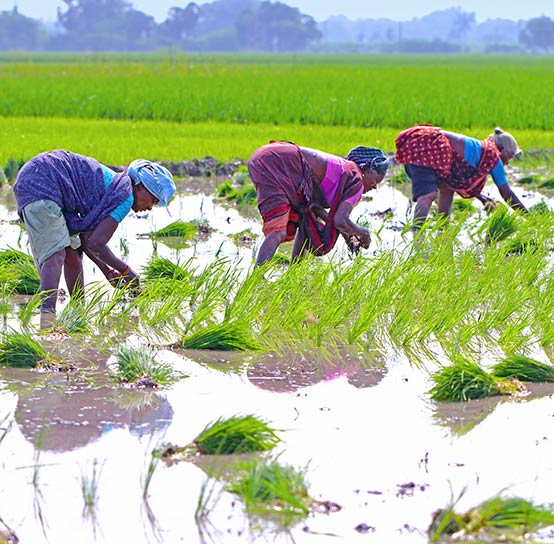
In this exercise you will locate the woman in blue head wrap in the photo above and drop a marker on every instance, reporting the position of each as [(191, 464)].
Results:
[(72, 204)]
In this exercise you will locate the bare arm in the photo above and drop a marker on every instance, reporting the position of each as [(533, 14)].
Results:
[(511, 199), (347, 227), (96, 248)]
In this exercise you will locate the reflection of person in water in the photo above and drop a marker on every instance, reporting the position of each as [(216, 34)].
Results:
[(294, 371), (65, 418)]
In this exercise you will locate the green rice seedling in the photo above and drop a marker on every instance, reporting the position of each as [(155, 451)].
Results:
[(225, 336), (236, 434), (461, 205), (498, 519), (532, 179), (20, 350), (180, 229), (12, 168), (74, 318), (548, 184), (225, 190), (147, 478), (540, 208), (27, 278), (89, 487), (267, 487), (161, 268), (524, 368), (500, 225), (463, 381), (518, 246), (137, 366)]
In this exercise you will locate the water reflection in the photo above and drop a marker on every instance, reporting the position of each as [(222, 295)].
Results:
[(293, 371), (58, 415), (462, 417)]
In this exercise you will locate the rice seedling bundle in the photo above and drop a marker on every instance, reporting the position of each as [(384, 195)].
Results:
[(500, 225), (137, 365), (225, 336), (20, 350), (26, 278), (267, 486), (160, 268), (237, 434), (178, 228), (524, 368), (73, 318), (494, 520), (463, 381)]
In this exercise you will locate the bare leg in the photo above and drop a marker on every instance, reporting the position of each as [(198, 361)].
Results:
[(422, 207), (300, 247), (446, 195), (50, 274), (73, 271), (269, 246)]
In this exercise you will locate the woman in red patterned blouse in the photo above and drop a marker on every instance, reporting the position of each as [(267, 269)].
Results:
[(443, 163)]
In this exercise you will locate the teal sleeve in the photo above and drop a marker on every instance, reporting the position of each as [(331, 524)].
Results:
[(125, 207), (499, 174), (472, 151)]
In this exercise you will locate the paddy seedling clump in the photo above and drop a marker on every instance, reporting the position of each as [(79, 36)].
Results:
[(499, 519), (524, 368), (225, 336), (20, 350), (236, 434), (465, 380), (268, 487), (137, 366), (26, 280)]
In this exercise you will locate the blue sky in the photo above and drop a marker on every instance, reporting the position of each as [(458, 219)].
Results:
[(400, 10)]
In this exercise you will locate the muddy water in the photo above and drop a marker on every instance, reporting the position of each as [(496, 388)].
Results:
[(362, 426)]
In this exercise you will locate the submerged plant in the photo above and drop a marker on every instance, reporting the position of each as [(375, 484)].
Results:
[(89, 487), (26, 278), (137, 366), (267, 487), (237, 434), (465, 380), (497, 519), (20, 350), (524, 368), (225, 336)]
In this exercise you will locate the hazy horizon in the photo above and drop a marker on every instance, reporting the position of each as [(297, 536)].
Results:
[(400, 10)]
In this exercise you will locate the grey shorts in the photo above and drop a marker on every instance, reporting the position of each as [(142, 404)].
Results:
[(424, 180), (47, 230)]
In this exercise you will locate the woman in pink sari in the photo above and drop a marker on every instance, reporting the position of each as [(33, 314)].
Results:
[(307, 195)]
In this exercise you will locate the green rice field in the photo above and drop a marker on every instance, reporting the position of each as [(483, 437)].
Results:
[(225, 106)]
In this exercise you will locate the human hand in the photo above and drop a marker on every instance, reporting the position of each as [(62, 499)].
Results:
[(363, 237), (489, 204)]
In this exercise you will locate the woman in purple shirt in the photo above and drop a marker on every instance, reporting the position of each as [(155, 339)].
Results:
[(72, 204)]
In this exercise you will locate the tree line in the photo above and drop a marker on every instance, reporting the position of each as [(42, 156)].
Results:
[(222, 26)]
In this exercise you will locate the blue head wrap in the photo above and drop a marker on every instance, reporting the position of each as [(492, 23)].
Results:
[(155, 178), (369, 157)]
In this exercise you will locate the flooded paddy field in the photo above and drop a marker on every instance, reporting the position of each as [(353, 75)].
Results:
[(378, 455)]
